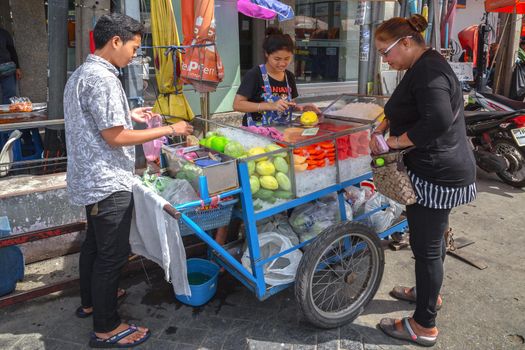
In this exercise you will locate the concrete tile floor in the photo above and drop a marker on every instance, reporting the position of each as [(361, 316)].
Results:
[(483, 309)]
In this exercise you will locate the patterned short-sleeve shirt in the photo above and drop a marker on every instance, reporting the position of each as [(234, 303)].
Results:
[(94, 100)]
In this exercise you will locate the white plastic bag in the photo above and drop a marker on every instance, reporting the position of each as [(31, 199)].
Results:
[(310, 219), (281, 270), (278, 223), (357, 197), (178, 192), (383, 219)]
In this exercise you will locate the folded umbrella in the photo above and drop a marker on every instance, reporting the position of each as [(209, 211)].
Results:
[(202, 66), (171, 100)]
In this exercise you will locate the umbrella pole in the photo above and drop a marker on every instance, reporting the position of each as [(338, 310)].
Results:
[(205, 110)]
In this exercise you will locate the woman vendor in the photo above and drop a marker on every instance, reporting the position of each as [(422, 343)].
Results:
[(267, 91)]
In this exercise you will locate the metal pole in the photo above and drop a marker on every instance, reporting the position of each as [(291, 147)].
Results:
[(57, 17), (205, 110), (373, 66), (365, 18)]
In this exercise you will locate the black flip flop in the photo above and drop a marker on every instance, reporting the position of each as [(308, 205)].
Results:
[(113, 342)]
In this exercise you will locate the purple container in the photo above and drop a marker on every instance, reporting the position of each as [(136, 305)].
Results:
[(380, 141)]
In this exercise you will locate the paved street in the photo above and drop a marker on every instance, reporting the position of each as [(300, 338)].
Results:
[(483, 309)]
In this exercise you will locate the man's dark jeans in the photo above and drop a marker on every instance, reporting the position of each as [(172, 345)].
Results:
[(8, 86), (104, 252)]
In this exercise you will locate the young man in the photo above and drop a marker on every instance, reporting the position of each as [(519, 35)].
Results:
[(101, 158)]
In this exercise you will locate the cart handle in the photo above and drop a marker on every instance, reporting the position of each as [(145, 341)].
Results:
[(173, 212)]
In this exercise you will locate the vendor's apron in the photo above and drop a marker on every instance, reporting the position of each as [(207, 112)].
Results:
[(269, 117)]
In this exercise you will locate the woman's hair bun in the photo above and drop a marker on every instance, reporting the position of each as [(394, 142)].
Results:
[(273, 31), (418, 23)]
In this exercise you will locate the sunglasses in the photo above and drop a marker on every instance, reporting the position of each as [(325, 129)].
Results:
[(388, 49)]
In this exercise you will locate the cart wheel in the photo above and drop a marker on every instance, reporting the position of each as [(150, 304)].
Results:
[(339, 274)]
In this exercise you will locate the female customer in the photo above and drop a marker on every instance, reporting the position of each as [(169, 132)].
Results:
[(267, 92), (425, 112)]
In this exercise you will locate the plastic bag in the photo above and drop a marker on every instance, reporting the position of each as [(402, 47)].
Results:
[(179, 191), (310, 219), (281, 270), (154, 182), (383, 219), (517, 85), (152, 148), (278, 223), (357, 197)]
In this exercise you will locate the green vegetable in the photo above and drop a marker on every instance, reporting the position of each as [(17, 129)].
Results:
[(234, 149), (251, 167), (273, 147), (283, 181), (282, 194), (280, 165), (269, 182), (254, 184), (263, 194), (265, 168), (218, 143)]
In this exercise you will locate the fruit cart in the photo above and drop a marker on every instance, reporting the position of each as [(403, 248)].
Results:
[(341, 268)]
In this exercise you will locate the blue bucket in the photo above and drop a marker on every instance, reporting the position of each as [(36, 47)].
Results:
[(202, 275)]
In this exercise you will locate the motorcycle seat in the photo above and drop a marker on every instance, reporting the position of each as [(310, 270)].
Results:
[(505, 100), (479, 116)]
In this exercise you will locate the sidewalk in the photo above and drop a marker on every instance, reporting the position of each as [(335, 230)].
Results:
[(483, 309)]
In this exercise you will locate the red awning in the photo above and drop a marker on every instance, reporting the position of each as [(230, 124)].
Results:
[(506, 6)]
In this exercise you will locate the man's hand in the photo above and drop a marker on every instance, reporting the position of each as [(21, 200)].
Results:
[(182, 128), (142, 114), (18, 74)]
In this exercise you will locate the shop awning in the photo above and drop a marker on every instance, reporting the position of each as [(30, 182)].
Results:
[(505, 6)]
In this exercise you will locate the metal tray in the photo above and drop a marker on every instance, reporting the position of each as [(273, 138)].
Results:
[(341, 108), (220, 177)]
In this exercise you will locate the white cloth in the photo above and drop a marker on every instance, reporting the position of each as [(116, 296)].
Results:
[(155, 235)]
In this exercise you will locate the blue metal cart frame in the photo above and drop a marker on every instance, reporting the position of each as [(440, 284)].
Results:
[(255, 280)]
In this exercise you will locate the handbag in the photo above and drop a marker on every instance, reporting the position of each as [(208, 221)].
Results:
[(7, 69), (391, 177)]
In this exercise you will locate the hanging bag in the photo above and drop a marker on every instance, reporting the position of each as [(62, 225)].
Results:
[(391, 178)]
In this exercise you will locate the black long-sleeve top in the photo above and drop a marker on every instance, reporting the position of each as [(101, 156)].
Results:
[(424, 105), (7, 48)]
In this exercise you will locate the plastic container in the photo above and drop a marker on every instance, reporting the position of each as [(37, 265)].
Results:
[(221, 176), (202, 292), (208, 219)]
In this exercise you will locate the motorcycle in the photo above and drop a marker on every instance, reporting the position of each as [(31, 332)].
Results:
[(498, 141)]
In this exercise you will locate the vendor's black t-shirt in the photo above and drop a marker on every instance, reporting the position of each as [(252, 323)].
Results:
[(424, 105), (252, 87)]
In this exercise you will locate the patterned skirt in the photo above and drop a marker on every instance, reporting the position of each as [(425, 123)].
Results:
[(434, 196)]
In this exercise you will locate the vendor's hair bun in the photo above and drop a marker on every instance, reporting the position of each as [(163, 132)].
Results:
[(273, 31), (418, 23)]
